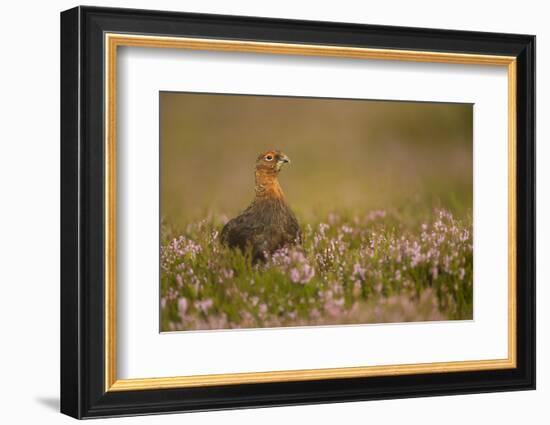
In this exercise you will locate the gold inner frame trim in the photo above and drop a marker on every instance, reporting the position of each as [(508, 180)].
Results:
[(113, 41)]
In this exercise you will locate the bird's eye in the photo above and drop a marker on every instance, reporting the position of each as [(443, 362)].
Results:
[(269, 157)]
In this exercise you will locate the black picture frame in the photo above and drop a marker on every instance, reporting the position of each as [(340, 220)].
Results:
[(83, 392)]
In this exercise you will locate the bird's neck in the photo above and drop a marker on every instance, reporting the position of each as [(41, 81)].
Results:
[(267, 186)]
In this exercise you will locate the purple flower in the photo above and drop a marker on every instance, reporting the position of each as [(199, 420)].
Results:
[(294, 263), (295, 275), (182, 307), (358, 271), (204, 305), (227, 273)]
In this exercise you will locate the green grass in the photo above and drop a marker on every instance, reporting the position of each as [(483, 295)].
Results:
[(380, 267)]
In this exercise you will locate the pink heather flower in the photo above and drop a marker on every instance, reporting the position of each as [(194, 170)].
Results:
[(434, 272), (346, 229), (176, 249), (171, 294), (461, 273), (322, 228), (295, 275), (397, 275), (204, 306), (358, 271), (227, 273), (179, 280), (262, 309), (373, 215), (294, 263), (307, 273), (182, 306), (332, 308)]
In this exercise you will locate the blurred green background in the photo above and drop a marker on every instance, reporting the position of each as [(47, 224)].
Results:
[(347, 155)]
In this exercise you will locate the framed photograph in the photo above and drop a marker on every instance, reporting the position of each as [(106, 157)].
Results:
[(261, 212)]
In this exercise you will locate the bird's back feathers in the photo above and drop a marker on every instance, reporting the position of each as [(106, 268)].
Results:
[(265, 226)]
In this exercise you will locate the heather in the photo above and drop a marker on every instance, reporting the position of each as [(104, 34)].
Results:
[(378, 267)]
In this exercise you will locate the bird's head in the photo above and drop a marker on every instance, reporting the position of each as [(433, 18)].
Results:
[(271, 162), (268, 166)]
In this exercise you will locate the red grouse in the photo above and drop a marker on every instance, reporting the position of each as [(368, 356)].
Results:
[(268, 223)]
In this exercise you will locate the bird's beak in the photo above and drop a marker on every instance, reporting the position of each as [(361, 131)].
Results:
[(283, 159)]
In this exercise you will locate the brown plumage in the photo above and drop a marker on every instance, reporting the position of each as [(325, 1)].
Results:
[(268, 223)]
